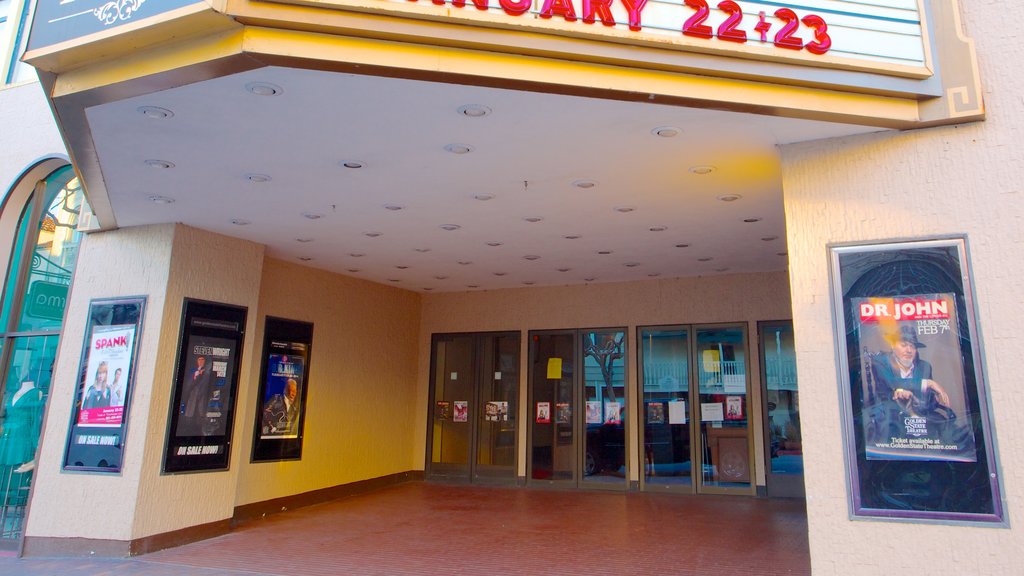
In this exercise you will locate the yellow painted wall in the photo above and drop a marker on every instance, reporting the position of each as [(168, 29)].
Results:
[(740, 298), (361, 404)]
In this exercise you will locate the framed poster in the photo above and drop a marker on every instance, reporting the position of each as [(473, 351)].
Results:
[(103, 391), (284, 378), (917, 431), (205, 383)]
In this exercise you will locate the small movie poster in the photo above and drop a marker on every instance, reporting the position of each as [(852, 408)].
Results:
[(613, 413), (496, 411), (543, 412), (460, 412), (594, 412), (563, 413), (734, 407), (655, 413), (912, 387), (443, 410)]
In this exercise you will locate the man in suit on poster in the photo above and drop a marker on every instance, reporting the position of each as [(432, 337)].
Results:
[(195, 399), (281, 412)]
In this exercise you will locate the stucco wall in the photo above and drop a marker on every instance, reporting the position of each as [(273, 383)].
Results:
[(25, 113), (742, 298), (952, 180), (128, 262), (361, 403)]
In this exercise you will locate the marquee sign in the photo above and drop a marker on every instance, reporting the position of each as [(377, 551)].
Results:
[(886, 36), (57, 21)]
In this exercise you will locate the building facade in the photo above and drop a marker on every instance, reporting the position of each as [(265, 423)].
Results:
[(626, 260)]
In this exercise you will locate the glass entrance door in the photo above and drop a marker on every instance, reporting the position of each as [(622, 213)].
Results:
[(578, 407), (474, 393), (666, 412), (724, 409), (784, 468)]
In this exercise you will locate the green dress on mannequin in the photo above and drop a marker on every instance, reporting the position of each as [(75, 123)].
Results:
[(20, 425)]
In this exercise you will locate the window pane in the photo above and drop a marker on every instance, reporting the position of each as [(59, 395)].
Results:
[(56, 250), (666, 392)]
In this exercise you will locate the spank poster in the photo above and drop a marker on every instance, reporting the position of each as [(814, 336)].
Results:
[(914, 395)]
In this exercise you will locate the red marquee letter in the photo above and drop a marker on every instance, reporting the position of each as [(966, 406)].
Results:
[(634, 7), (602, 8), (562, 8), (515, 7)]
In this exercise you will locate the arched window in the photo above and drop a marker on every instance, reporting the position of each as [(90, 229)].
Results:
[(40, 265)]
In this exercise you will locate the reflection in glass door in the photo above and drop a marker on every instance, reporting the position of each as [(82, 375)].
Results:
[(665, 382), (724, 408), (473, 403), (783, 442), (578, 408)]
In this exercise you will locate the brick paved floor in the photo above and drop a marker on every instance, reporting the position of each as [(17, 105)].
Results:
[(424, 528)]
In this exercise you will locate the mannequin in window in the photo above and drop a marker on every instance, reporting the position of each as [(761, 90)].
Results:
[(21, 421)]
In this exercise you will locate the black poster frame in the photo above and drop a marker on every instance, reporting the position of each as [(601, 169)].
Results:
[(918, 438), (98, 446), (201, 420), (275, 439)]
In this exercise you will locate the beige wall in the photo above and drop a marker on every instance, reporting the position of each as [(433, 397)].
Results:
[(743, 298), (955, 180), (362, 383)]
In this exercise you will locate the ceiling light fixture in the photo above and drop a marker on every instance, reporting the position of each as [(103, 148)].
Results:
[(356, 254), (604, 252), (393, 280), (529, 282), (654, 274), (625, 209), (494, 244), (472, 285), (631, 264), (402, 267), (458, 148), (769, 238), (658, 228), (263, 89), (666, 131), (474, 110), (158, 163), (422, 250), (499, 273), (682, 245), (440, 277), (584, 184), (305, 258), (531, 257), (353, 270), (564, 269), (450, 227), (312, 215), (155, 112), (591, 279), (729, 197), (484, 197), (240, 222), (352, 164), (702, 170), (533, 219), (428, 289), (464, 262), (572, 237), (372, 234), (751, 220), (161, 199), (303, 240), (705, 259), (257, 178), (394, 207)]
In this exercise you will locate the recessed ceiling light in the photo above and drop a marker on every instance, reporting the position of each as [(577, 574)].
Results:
[(682, 245), (631, 264), (572, 237), (352, 270), (304, 240), (729, 197), (440, 277), (564, 269), (450, 227), (240, 221), (604, 252), (161, 199), (263, 89), (782, 253), (474, 110), (529, 282), (257, 178), (305, 258), (464, 262), (584, 183), (666, 131), (458, 148), (705, 259), (484, 197), (356, 254), (533, 219), (472, 285), (422, 250), (702, 169), (654, 274), (402, 267), (155, 112), (353, 164), (769, 238), (658, 228), (751, 220), (499, 273), (312, 215), (625, 209), (494, 244), (152, 163), (394, 207), (591, 279), (531, 257), (372, 234), (393, 280), (428, 289)]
